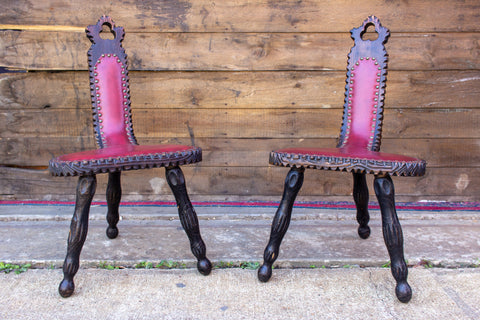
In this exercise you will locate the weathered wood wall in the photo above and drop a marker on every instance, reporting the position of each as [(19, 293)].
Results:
[(240, 78)]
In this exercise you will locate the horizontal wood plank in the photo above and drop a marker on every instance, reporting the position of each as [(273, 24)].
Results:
[(249, 182), (32, 152), (248, 16), (243, 123), (239, 51), (282, 89)]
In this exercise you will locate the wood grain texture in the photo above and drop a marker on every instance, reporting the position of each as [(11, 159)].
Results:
[(249, 182), (239, 79), (232, 123), (248, 16), (218, 152), (239, 51), (262, 90)]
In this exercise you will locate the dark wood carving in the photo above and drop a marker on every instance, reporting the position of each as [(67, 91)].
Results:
[(60, 167), (78, 232), (392, 234), (357, 152), (118, 151), (188, 218), (349, 164), (293, 184)]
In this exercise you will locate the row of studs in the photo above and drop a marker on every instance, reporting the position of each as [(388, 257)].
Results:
[(375, 103), (126, 105)]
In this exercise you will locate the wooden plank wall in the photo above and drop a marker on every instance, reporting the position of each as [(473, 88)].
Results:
[(240, 78)]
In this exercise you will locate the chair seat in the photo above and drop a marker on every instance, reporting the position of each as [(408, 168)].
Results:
[(349, 159), (123, 157)]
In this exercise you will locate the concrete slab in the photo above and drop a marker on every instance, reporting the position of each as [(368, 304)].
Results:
[(353, 286), (237, 294), (446, 243)]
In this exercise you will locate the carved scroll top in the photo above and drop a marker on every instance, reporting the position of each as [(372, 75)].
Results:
[(93, 31), (383, 33)]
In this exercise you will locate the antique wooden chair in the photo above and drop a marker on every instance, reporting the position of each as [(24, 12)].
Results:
[(357, 152), (118, 151)]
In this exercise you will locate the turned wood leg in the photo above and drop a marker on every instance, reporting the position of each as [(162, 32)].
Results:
[(78, 232), (392, 234), (360, 196), (114, 194), (188, 218), (281, 221)]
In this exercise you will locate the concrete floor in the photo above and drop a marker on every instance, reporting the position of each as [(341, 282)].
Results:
[(324, 271)]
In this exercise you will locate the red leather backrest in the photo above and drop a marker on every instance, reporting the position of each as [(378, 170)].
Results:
[(112, 102), (365, 89), (362, 103), (109, 88)]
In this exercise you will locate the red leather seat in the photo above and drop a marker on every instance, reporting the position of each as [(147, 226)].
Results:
[(119, 151), (356, 152)]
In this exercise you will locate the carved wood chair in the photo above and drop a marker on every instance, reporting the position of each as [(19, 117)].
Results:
[(357, 152), (119, 151)]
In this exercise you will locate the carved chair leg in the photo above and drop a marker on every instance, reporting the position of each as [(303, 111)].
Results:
[(392, 234), (360, 196), (188, 218), (281, 221), (114, 194), (78, 232)]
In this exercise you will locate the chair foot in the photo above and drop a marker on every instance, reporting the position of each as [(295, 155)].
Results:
[(114, 195), (364, 232), (204, 266), (78, 233), (188, 218), (360, 196), (393, 236), (403, 291), (66, 288), (281, 221), (265, 272), (112, 232)]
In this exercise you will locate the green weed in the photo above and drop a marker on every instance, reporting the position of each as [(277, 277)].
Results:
[(17, 269)]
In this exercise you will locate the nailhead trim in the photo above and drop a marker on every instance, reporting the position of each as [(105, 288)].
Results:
[(127, 111)]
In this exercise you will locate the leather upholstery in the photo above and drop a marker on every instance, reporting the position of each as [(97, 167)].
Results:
[(112, 119), (360, 135)]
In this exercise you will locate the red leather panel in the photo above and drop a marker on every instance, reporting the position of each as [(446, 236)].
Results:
[(127, 150), (351, 152), (362, 104), (109, 85)]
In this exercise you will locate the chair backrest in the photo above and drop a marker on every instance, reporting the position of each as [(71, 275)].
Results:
[(109, 87), (365, 89)]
